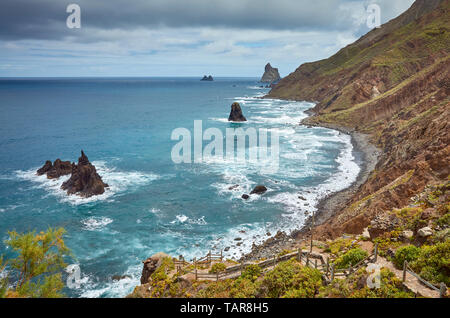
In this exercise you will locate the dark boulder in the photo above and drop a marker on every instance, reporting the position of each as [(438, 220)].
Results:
[(245, 196), (84, 180), (236, 113), (259, 189)]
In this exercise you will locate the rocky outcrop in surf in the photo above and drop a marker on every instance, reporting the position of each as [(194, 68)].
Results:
[(207, 78), (57, 169), (236, 113), (84, 180), (270, 75), (259, 189)]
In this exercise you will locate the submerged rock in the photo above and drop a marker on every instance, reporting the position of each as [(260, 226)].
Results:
[(259, 189), (84, 180), (236, 113), (270, 74), (245, 196)]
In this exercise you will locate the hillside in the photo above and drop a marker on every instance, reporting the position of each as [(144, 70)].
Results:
[(392, 84)]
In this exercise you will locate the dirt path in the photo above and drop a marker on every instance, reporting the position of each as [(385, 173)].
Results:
[(411, 282)]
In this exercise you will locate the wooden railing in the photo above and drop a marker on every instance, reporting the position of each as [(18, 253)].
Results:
[(442, 289)]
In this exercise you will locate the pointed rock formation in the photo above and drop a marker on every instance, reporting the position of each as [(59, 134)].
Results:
[(270, 74), (236, 113), (55, 170), (207, 78), (84, 180)]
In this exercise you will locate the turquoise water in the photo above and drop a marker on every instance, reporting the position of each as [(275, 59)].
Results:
[(124, 126)]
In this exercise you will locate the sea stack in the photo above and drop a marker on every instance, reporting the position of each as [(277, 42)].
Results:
[(55, 170), (84, 180), (271, 74), (236, 113), (207, 78)]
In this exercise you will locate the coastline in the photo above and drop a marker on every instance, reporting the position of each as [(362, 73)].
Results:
[(327, 206)]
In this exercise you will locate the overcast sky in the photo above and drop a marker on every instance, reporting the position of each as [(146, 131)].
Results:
[(178, 37)]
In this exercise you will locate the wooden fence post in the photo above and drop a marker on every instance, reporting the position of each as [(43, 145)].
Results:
[(315, 263), (405, 264), (196, 276), (442, 290), (299, 255), (217, 276), (242, 267), (221, 256), (375, 253), (328, 264), (307, 259), (350, 269), (332, 272)]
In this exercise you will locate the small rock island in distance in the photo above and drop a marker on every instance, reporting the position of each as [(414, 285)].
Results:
[(270, 75), (207, 78)]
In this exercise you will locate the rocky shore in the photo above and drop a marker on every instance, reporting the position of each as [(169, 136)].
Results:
[(328, 206)]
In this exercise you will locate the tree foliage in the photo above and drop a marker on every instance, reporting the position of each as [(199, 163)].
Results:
[(38, 265)]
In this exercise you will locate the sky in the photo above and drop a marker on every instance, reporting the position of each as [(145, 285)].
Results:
[(178, 37)]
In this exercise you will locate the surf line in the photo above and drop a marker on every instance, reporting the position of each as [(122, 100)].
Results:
[(235, 146)]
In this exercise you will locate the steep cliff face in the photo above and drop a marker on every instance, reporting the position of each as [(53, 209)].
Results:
[(394, 85)]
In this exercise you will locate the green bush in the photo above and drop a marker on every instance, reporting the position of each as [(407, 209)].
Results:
[(352, 257), (433, 263), (217, 268), (407, 253), (290, 279), (251, 272)]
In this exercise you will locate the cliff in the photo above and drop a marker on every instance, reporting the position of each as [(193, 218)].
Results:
[(392, 84)]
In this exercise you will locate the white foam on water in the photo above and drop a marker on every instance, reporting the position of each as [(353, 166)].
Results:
[(112, 288), (181, 218), (297, 202), (118, 181), (96, 223)]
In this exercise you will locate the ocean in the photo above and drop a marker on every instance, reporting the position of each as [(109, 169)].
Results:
[(124, 126)]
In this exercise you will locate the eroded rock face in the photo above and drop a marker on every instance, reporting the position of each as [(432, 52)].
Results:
[(57, 169), (84, 180), (151, 264), (236, 113), (270, 74), (382, 223)]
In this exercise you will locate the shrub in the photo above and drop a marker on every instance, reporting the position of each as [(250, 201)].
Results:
[(217, 268), (407, 253), (290, 279), (390, 287), (433, 263), (352, 257), (251, 272)]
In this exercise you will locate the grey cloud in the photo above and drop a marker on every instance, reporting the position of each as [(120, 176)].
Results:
[(45, 19)]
